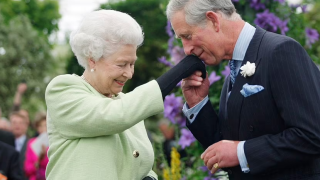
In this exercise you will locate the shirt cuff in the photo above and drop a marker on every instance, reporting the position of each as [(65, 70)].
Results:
[(192, 113), (242, 157)]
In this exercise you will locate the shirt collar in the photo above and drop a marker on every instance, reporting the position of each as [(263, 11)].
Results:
[(243, 42), (20, 140)]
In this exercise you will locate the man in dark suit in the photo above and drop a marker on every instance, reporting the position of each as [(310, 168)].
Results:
[(7, 137), (9, 163), (268, 126), (19, 125)]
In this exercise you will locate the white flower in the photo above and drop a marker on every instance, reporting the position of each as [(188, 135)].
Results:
[(248, 69)]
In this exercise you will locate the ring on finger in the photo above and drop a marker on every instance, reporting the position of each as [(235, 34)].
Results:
[(216, 165)]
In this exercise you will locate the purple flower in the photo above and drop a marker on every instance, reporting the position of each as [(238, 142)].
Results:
[(172, 107), (283, 26), (304, 8), (226, 71), (169, 29), (186, 138), (179, 84), (170, 44), (268, 21), (181, 121), (171, 36), (312, 36), (294, 6), (281, 1), (256, 4), (213, 77), (177, 54), (164, 61), (204, 168)]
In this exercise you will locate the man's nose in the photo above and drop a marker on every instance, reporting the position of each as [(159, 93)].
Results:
[(188, 49)]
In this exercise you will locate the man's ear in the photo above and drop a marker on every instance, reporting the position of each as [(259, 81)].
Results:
[(214, 18)]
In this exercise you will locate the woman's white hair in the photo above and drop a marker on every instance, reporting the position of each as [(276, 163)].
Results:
[(195, 10), (101, 33)]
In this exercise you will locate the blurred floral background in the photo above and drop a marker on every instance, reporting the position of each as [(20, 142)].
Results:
[(30, 53)]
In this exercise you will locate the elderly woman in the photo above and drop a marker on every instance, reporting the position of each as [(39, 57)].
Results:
[(95, 131)]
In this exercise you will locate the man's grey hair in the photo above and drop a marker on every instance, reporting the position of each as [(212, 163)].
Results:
[(101, 33), (195, 10)]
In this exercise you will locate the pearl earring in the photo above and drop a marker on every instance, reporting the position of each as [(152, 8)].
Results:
[(92, 70)]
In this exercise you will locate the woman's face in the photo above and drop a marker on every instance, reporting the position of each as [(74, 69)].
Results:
[(111, 73), (42, 127)]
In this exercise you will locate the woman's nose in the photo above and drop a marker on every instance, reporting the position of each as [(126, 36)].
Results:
[(128, 72)]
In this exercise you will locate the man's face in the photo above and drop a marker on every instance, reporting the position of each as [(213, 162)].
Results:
[(19, 125), (205, 42)]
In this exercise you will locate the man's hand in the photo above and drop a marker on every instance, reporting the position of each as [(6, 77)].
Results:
[(22, 87), (224, 153), (195, 88)]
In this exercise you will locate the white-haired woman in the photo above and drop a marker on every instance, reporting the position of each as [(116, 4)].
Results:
[(95, 131)]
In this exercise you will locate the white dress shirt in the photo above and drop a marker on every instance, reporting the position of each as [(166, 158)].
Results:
[(19, 142)]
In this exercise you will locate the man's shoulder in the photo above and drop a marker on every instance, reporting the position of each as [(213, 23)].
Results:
[(9, 150), (6, 135), (276, 39)]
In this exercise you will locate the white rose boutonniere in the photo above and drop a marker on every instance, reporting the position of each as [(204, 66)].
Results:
[(248, 69)]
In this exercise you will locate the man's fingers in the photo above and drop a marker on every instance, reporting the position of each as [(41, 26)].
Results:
[(209, 155), (191, 83), (211, 162), (210, 148), (193, 77)]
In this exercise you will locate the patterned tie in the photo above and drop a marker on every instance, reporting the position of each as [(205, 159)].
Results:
[(233, 72)]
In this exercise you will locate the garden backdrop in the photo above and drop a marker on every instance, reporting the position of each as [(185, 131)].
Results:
[(28, 54)]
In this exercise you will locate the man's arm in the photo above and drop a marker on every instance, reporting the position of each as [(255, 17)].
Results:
[(21, 89), (205, 127), (15, 172)]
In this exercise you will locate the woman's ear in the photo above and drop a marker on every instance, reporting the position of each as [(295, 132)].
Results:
[(214, 18), (92, 64)]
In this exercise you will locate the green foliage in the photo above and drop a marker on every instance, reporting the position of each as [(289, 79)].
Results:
[(24, 56), (153, 21), (25, 27), (43, 14), (313, 18)]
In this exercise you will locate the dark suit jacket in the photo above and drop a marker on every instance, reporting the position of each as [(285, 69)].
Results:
[(23, 156), (7, 137), (9, 162), (280, 124)]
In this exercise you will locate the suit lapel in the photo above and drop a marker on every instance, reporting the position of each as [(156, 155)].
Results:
[(235, 100)]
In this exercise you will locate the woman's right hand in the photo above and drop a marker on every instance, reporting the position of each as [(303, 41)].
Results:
[(195, 88)]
